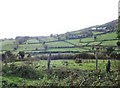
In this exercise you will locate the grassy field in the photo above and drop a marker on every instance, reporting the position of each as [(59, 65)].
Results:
[(86, 65), (11, 44), (110, 43), (58, 44), (8, 44), (47, 39), (87, 39), (76, 42), (30, 47), (33, 40), (112, 35), (85, 69)]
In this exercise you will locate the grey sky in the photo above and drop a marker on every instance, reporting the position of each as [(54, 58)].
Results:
[(45, 17)]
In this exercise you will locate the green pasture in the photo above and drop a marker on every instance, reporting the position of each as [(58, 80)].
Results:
[(30, 47), (47, 39), (8, 44), (9, 47), (85, 65), (58, 44), (87, 39), (112, 35), (113, 42), (33, 40), (76, 42)]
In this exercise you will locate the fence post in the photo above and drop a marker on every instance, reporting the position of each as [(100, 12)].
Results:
[(96, 57), (49, 59)]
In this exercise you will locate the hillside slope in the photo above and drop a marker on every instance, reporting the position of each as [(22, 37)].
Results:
[(81, 40)]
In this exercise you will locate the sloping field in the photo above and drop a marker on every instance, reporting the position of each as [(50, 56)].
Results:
[(30, 47), (67, 45), (58, 44)]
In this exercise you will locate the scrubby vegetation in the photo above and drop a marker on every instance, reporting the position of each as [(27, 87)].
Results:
[(62, 73)]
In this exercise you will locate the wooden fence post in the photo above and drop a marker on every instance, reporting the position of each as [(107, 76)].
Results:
[(49, 59)]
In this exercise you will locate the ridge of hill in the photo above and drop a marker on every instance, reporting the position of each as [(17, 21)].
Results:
[(83, 33), (91, 31), (103, 27), (76, 41)]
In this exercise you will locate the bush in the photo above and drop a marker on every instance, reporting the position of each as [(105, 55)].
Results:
[(6, 84), (57, 57), (8, 56), (84, 56), (115, 56), (118, 43), (26, 72), (22, 54), (22, 71)]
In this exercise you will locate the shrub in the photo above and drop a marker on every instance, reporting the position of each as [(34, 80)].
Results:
[(26, 72), (115, 56), (84, 56), (62, 73), (22, 71), (57, 57), (22, 54), (8, 56), (118, 43), (6, 84)]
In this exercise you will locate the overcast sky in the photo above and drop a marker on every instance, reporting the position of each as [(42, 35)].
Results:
[(45, 17)]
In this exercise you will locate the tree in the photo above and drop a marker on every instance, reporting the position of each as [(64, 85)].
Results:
[(8, 56), (36, 49), (21, 40), (51, 35), (4, 59), (22, 54)]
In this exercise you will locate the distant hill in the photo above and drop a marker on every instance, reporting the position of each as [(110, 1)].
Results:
[(91, 31), (75, 41), (103, 27), (83, 33)]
